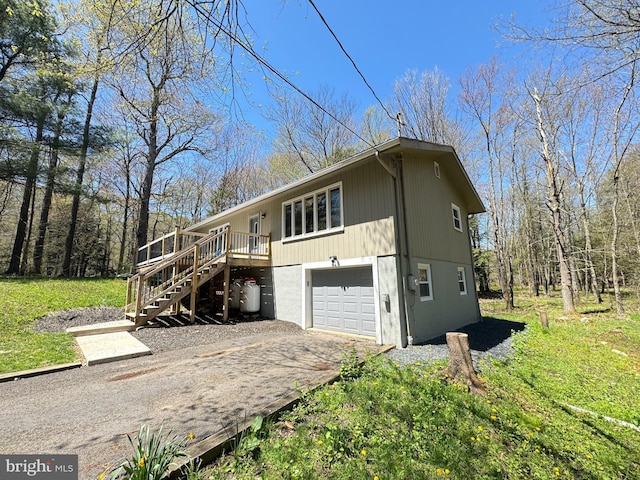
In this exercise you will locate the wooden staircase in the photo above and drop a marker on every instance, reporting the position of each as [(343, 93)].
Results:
[(166, 283)]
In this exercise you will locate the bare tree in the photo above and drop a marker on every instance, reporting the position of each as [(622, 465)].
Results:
[(484, 95), (318, 138), (546, 122), (155, 87), (422, 99)]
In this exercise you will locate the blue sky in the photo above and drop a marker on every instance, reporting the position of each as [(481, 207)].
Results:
[(384, 38)]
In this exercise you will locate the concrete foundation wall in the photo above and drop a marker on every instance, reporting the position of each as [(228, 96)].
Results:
[(287, 294)]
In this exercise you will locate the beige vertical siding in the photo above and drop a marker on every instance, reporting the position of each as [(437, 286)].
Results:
[(368, 208), (429, 218)]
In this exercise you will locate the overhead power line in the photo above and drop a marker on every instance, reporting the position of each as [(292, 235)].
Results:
[(352, 61), (247, 48)]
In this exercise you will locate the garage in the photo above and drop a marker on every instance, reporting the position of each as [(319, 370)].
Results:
[(343, 300)]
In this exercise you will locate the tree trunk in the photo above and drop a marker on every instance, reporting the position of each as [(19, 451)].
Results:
[(30, 181), (27, 242), (147, 184), (617, 294), (460, 367), (555, 206), (593, 279), (125, 225), (75, 206), (48, 196)]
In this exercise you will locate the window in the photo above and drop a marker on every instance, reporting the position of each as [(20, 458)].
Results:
[(314, 213), (462, 281), (436, 169), (424, 282), (457, 217)]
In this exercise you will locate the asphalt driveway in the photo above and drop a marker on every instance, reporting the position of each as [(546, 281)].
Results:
[(200, 390)]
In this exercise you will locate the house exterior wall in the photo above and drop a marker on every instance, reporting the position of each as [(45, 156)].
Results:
[(369, 237), (434, 241), (449, 310), (368, 209), (428, 202)]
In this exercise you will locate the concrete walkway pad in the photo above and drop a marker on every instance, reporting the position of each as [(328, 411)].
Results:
[(109, 347)]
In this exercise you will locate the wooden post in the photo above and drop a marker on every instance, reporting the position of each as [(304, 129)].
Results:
[(544, 320), (176, 242), (194, 283), (128, 299), (460, 368), (139, 297), (225, 297)]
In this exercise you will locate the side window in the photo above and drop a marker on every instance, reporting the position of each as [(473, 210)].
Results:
[(457, 217), (462, 281), (424, 282)]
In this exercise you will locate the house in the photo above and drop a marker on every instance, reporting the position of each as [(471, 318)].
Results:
[(376, 245)]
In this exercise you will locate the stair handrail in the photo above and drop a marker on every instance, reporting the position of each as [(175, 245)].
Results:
[(177, 279)]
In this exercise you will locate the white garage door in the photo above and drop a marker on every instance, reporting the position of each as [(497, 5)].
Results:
[(343, 300)]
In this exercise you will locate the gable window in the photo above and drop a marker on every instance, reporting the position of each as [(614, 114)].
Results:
[(314, 213), (457, 217), (424, 282), (436, 169), (462, 281)]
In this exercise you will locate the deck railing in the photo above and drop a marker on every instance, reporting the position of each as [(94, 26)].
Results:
[(166, 246)]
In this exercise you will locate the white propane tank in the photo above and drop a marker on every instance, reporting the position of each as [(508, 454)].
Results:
[(250, 296), (234, 297)]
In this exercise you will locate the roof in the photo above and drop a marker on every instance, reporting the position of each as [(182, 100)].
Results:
[(391, 147)]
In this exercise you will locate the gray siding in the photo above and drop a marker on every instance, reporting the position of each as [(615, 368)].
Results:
[(448, 310), (391, 321)]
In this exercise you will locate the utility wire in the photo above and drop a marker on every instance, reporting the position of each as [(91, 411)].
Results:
[(352, 61), (271, 68)]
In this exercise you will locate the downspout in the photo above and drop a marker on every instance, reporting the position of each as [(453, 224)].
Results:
[(402, 237)]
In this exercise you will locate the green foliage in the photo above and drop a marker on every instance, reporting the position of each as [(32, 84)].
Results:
[(26, 32), (407, 421), (154, 453), (350, 367), (26, 299)]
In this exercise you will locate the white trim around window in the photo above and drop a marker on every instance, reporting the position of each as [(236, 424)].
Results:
[(462, 281), (457, 217), (425, 285), (316, 213)]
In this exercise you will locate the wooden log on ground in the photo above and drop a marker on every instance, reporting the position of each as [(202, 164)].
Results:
[(460, 368)]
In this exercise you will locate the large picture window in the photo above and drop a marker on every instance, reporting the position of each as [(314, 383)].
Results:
[(314, 213)]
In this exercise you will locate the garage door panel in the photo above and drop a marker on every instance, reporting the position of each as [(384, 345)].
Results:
[(343, 300)]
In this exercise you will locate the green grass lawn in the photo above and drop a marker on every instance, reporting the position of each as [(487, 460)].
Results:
[(410, 422), (24, 300)]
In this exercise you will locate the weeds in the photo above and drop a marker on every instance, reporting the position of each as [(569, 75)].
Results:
[(350, 366)]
